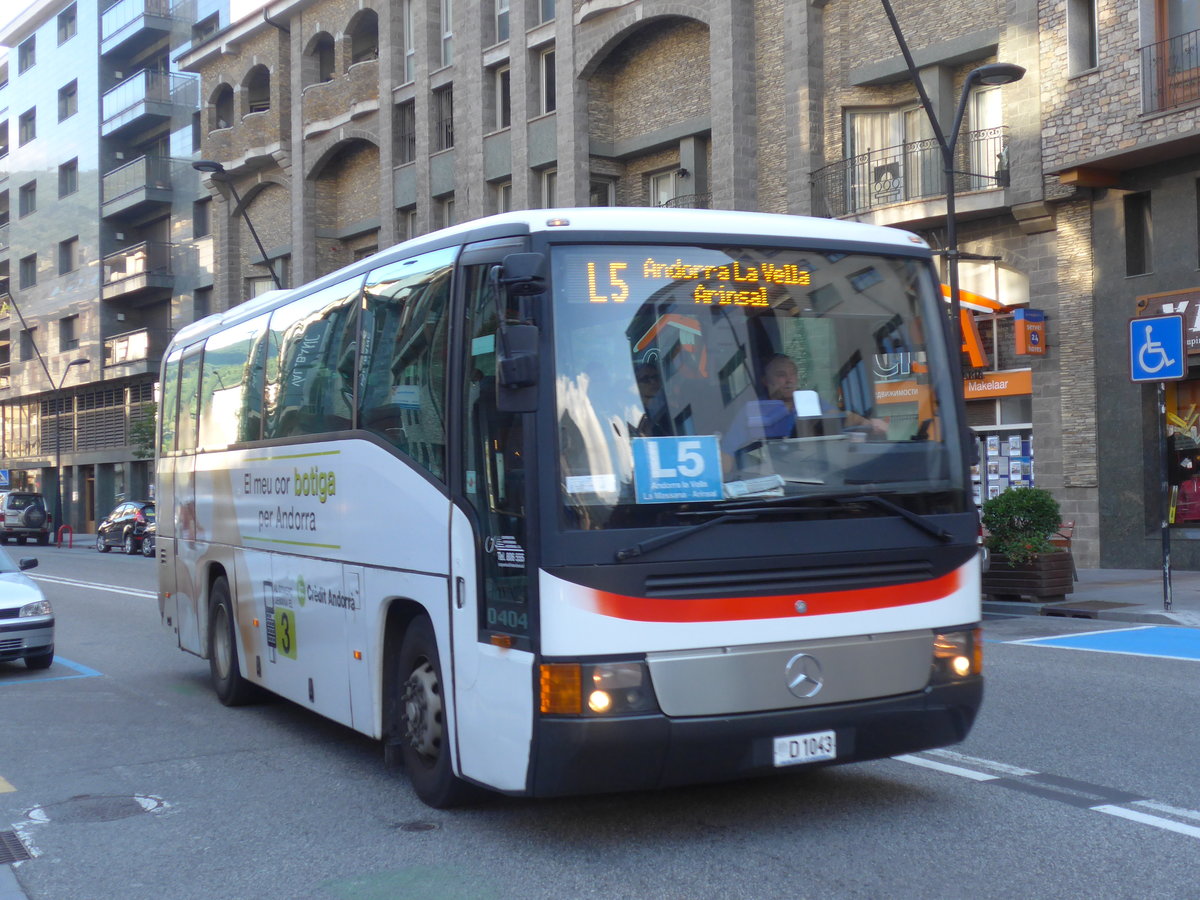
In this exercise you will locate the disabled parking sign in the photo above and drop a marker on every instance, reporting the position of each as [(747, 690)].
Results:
[(677, 469), (1156, 349)]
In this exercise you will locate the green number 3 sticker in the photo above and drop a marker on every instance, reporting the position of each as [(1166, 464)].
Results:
[(285, 631)]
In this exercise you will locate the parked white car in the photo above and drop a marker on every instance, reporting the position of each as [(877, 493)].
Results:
[(26, 618)]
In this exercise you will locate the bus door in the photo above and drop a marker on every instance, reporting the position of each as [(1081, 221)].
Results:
[(186, 541), (164, 488), (492, 573)]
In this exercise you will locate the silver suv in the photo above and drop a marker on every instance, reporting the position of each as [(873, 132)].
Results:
[(23, 515)]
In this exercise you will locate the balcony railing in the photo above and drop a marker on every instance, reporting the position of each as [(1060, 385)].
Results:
[(1171, 72), (124, 14), (690, 201), (143, 345), (144, 173), (144, 265), (145, 87), (909, 172)]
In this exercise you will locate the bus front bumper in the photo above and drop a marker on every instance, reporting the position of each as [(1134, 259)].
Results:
[(594, 755)]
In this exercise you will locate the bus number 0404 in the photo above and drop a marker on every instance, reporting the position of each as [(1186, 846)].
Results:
[(509, 618)]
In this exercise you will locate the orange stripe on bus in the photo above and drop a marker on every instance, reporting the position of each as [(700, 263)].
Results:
[(732, 609)]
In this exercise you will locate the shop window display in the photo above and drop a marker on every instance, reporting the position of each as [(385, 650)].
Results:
[(1183, 451)]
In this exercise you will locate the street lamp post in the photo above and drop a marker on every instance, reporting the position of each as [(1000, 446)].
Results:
[(58, 522), (218, 173), (990, 74)]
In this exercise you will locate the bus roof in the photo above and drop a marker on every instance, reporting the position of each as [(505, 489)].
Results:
[(615, 219)]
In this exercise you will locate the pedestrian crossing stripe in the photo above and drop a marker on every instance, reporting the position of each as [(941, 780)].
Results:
[(1158, 641)]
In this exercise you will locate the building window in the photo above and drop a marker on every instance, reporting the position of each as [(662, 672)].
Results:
[(322, 57), (602, 192), (406, 132), (258, 89), (68, 333), (1138, 234), (548, 93), (443, 118), (1082, 36), (222, 107), (503, 79), (205, 27), (201, 303), (445, 211), (68, 255), (27, 198), (27, 54), (663, 187), (410, 46), (406, 223), (68, 177), (892, 157), (364, 37), (447, 20), (28, 271), (27, 127), (201, 218), (502, 194), (549, 183), (501, 20), (546, 10), (3, 138), (67, 24), (259, 285), (68, 100), (29, 343)]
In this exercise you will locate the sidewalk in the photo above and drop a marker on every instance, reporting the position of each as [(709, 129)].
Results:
[(1119, 595)]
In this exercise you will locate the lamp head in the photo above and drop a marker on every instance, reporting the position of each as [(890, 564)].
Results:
[(997, 73), (209, 165), (82, 361)]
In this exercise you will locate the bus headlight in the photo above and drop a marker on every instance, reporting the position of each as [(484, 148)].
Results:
[(957, 655), (596, 689)]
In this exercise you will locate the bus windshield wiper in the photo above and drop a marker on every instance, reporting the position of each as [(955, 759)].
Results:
[(662, 540), (878, 500)]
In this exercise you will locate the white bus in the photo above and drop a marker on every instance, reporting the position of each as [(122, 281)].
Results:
[(586, 500)]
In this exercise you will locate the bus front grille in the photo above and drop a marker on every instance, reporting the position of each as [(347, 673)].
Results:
[(795, 580)]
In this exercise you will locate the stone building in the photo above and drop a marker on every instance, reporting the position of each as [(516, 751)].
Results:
[(346, 126), (102, 238)]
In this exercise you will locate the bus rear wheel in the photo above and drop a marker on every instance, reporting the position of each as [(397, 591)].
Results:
[(424, 743), (231, 688)]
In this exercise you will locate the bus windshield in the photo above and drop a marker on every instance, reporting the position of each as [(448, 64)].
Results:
[(699, 375)]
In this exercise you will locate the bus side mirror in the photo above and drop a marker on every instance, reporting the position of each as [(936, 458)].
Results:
[(516, 368)]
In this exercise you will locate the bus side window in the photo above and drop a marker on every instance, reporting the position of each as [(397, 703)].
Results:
[(170, 405), (189, 398), (226, 395), (310, 380), (402, 397)]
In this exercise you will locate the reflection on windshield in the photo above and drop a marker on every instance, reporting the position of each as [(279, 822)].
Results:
[(688, 375)]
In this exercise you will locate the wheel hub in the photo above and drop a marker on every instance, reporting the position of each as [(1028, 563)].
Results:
[(423, 711)]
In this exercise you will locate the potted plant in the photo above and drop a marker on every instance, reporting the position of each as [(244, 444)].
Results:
[(1024, 563)]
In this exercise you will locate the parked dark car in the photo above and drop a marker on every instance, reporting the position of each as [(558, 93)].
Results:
[(148, 537), (125, 526)]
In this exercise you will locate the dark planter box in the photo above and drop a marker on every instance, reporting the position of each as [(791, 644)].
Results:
[(1049, 577)]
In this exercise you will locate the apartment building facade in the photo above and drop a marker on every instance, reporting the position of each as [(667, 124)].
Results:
[(105, 247)]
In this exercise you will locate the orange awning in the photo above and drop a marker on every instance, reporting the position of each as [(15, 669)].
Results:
[(975, 302)]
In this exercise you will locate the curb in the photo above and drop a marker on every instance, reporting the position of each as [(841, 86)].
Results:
[(1093, 609)]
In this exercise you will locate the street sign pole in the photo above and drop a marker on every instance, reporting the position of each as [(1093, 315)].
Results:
[(1164, 497), (1157, 353)]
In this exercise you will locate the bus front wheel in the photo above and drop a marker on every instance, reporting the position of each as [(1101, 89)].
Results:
[(232, 689), (424, 744)]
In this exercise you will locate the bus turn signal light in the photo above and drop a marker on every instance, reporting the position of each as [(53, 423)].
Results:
[(562, 689)]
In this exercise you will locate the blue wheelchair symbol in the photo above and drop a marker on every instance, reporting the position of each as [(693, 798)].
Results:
[(1156, 349)]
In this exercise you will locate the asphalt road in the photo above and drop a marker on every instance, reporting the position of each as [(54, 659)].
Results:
[(126, 779)]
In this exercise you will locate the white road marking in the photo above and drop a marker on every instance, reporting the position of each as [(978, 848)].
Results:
[(1146, 819), (1111, 809), (91, 585)]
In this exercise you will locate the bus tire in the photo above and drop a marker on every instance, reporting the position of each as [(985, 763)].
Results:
[(423, 742), (231, 688)]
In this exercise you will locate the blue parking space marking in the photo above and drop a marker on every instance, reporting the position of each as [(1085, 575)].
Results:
[(81, 671), (1160, 641)]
